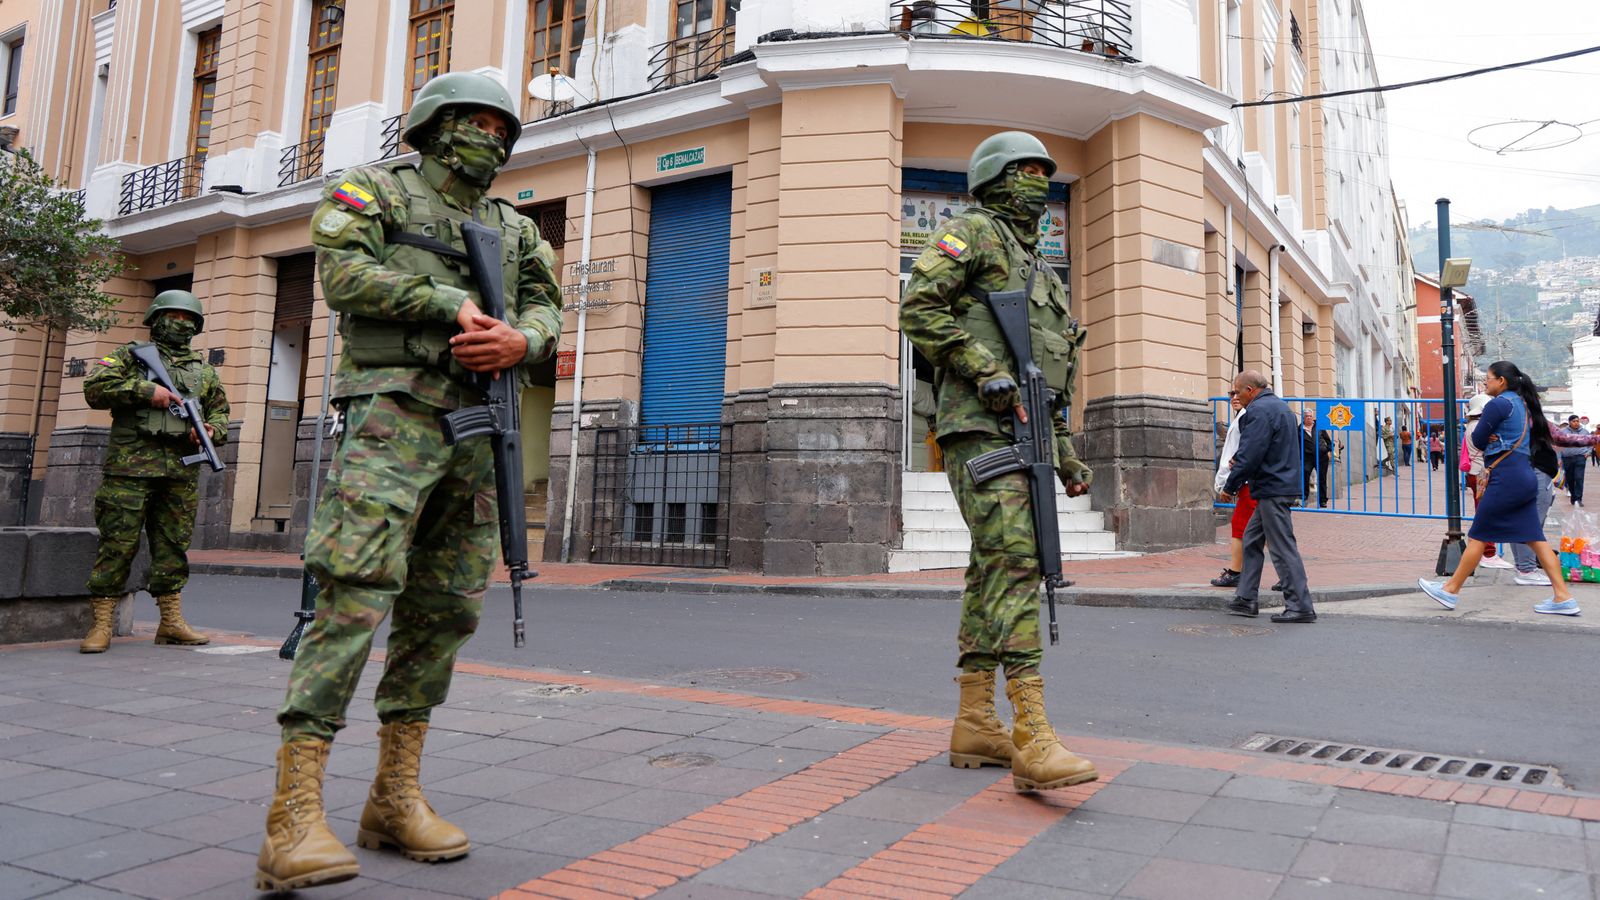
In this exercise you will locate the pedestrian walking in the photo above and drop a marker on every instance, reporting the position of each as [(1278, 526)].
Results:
[(1243, 505), (1406, 445), (1508, 501), (1435, 449), (1327, 454), (145, 486), (1308, 452), (1574, 462), (401, 525), (1267, 463), (993, 247)]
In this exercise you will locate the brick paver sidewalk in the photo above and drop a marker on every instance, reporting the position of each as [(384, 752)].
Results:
[(1339, 550), (143, 772)]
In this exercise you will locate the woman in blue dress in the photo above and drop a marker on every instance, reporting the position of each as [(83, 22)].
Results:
[(1508, 511)]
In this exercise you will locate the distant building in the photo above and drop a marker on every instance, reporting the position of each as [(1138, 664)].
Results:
[(1430, 340)]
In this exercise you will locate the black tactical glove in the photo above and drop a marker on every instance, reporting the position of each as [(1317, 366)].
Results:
[(999, 392)]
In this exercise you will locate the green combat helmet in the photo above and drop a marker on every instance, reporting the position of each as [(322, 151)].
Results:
[(177, 300), (997, 151), (459, 89)]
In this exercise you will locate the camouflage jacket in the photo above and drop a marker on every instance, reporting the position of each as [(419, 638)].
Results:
[(147, 442), (938, 313), (373, 280)]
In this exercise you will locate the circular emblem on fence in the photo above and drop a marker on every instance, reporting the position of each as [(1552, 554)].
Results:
[(1340, 416)]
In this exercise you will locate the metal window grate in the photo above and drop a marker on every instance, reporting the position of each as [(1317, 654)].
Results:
[(1437, 765), (1101, 27), (661, 495), (301, 162), (160, 184), (392, 142)]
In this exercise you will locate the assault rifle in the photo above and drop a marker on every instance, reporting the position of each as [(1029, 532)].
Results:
[(1033, 445), (500, 418), (187, 409)]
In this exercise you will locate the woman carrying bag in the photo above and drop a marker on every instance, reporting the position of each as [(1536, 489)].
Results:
[(1507, 491)]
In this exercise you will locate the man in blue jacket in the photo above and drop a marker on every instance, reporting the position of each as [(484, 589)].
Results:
[(1268, 460)]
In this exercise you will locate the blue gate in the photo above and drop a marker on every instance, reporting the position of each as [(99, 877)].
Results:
[(1371, 471)]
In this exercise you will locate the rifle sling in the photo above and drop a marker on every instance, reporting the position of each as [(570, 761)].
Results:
[(423, 242)]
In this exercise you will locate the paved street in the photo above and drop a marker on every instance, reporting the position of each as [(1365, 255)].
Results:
[(661, 743)]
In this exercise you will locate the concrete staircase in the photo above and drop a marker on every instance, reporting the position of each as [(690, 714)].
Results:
[(935, 537)]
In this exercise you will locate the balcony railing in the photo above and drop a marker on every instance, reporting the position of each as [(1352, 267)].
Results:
[(160, 184), (1104, 27), (78, 196), (302, 162), (689, 59), (393, 143)]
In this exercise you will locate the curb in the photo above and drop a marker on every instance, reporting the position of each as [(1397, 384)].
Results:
[(1126, 598)]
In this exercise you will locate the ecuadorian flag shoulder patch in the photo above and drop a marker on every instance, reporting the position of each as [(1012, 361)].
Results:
[(353, 196), (107, 361), (952, 246)]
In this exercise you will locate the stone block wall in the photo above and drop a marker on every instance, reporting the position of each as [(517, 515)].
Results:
[(1152, 459)]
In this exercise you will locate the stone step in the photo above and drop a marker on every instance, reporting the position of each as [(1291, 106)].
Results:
[(945, 499), (923, 560), (950, 520), (1071, 542)]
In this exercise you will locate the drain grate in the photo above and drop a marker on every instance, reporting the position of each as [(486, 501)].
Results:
[(1442, 765), (683, 761), (555, 690), (1219, 630), (743, 676)]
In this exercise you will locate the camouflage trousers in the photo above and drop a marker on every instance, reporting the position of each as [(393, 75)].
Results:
[(162, 508), (1000, 604), (406, 523)]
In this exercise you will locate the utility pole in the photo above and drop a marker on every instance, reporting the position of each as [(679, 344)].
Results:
[(1451, 549)]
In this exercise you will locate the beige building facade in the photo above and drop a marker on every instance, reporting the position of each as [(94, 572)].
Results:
[(736, 193)]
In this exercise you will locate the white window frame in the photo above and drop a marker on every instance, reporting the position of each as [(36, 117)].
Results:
[(183, 91), (6, 40)]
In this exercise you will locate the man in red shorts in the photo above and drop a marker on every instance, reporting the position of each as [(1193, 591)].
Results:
[(1244, 505)]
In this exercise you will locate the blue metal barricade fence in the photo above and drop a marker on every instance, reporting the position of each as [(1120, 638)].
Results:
[(1370, 456)]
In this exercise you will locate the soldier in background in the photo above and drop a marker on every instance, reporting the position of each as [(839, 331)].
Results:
[(406, 522), (145, 485), (993, 247)]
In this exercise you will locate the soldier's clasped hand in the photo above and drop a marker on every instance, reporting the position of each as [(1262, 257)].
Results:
[(163, 398), (491, 346), (999, 393)]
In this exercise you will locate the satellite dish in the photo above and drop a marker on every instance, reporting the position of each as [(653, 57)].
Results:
[(554, 88)]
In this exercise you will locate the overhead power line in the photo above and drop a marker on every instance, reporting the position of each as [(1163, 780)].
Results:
[(1382, 88)]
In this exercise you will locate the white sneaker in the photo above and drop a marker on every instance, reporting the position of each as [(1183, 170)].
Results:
[(1498, 561), (1533, 578)]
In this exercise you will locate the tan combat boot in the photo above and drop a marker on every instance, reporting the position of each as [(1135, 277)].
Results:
[(299, 850), (105, 616), (979, 738), (173, 629), (396, 812), (1040, 762)]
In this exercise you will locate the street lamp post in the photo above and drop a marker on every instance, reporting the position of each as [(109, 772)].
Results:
[(1452, 274)]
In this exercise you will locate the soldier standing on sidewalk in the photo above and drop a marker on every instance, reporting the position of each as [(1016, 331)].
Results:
[(145, 485), (993, 247), (406, 521)]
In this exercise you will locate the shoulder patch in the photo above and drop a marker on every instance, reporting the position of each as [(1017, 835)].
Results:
[(334, 222), (952, 246), (107, 361), (353, 196)]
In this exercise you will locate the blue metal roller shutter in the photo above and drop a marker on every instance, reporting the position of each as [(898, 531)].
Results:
[(686, 302)]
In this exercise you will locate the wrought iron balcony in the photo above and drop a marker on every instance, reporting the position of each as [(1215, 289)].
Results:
[(302, 162), (160, 184), (1103, 27), (393, 143), (78, 196), (689, 59)]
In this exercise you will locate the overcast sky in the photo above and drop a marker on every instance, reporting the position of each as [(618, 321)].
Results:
[(1430, 154)]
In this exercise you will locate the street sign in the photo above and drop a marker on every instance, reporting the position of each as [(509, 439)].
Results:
[(525, 195), (682, 159)]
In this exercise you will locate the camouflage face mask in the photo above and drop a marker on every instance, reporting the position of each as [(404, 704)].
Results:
[(1019, 195), (170, 332), (473, 153)]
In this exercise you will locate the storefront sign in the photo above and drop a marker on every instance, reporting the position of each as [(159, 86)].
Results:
[(921, 213), (682, 159)]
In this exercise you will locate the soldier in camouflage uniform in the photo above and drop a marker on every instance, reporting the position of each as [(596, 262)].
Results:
[(146, 487), (407, 523), (992, 247)]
